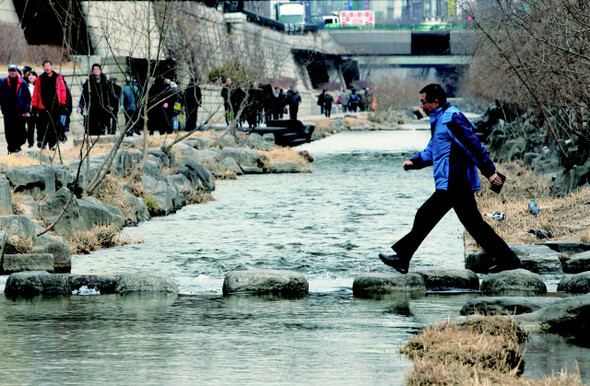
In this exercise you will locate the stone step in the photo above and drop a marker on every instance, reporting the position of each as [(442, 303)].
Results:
[(266, 282), (26, 262)]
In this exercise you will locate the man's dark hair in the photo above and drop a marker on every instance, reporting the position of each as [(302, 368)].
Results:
[(435, 92), (96, 65), (46, 61)]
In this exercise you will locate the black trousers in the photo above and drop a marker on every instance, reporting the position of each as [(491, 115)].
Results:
[(293, 109), (31, 122), (47, 128), (464, 204), (15, 132)]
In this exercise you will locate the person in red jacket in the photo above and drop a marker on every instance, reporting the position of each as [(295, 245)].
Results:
[(15, 100), (49, 102)]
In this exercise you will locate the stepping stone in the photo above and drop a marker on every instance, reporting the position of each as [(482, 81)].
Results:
[(575, 284), (450, 279), (263, 282), (517, 282), (371, 284)]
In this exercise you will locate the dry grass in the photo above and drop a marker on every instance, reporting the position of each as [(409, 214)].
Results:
[(482, 350), (323, 127), (100, 236), (110, 192), (567, 218), (13, 160), (18, 245), (198, 196), (283, 154)]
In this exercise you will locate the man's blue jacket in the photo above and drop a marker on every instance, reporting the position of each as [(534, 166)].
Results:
[(454, 151)]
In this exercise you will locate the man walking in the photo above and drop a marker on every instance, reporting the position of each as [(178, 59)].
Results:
[(15, 100), (294, 102), (49, 102), (454, 152), (97, 101)]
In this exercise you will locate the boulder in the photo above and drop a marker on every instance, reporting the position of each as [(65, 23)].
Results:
[(65, 176), (517, 282), (569, 248), (193, 169), (3, 240), (161, 194), (251, 169), (123, 161), (375, 283), (5, 196), (536, 258), (26, 262), (93, 214), (208, 158), (580, 262), (271, 282), (450, 279), (19, 225), (57, 246), (201, 142), (137, 211), (162, 158), (285, 167), (569, 317), (106, 283), (117, 216), (37, 180), (28, 206), (152, 168), (29, 284), (244, 157), (230, 164), (575, 284), (569, 180), (181, 183), (50, 209), (143, 282), (506, 305)]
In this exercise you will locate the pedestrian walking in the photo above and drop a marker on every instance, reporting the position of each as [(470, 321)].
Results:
[(328, 101), (96, 102), (49, 102), (192, 101), (294, 100), (116, 98), (353, 101), (344, 97), (15, 102), (31, 120), (130, 94), (455, 153)]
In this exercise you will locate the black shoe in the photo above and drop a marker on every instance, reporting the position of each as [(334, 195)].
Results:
[(513, 263), (400, 264)]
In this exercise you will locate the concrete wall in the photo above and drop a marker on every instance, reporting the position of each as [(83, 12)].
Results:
[(8, 13)]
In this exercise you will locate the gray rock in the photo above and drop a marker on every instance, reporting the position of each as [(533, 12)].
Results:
[(162, 158), (28, 206), (285, 167), (208, 158), (50, 209), (244, 157), (152, 168), (450, 279), (202, 143), (272, 282), (5, 197), (161, 193), (506, 305), (531, 159), (269, 137), (569, 248), (207, 181), (37, 180), (536, 258), (518, 282), (580, 262), (65, 176), (181, 183), (93, 214), (57, 246), (19, 225), (3, 240), (185, 151), (229, 164), (569, 180), (117, 217), (29, 284), (143, 282), (106, 283), (569, 317), (26, 262), (138, 210), (371, 284), (575, 284), (251, 169), (123, 161)]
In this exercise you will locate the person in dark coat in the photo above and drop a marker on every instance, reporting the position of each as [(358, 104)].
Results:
[(130, 95), (455, 153), (15, 101), (49, 103), (328, 101), (294, 100), (227, 92), (159, 100), (321, 102), (31, 120), (116, 98), (353, 101), (276, 103), (192, 101), (96, 101)]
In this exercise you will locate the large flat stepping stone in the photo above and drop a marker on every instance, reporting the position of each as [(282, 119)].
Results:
[(26, 262), (517, 282), (506, 305), (374, 283), (575, 284), (450, 279), (29, 284), (534, 258), (580, 262), (266, 282)]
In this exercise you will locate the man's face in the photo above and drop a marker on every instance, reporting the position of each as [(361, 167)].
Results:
[(294, 91), (47, 68), (96, 71), (12, 73), (228, 81), (428, 107)]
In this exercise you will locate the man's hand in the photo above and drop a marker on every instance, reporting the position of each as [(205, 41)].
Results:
[(495, 179), (408, 165)]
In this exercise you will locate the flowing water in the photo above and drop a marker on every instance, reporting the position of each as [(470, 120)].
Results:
[(329, 225)]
